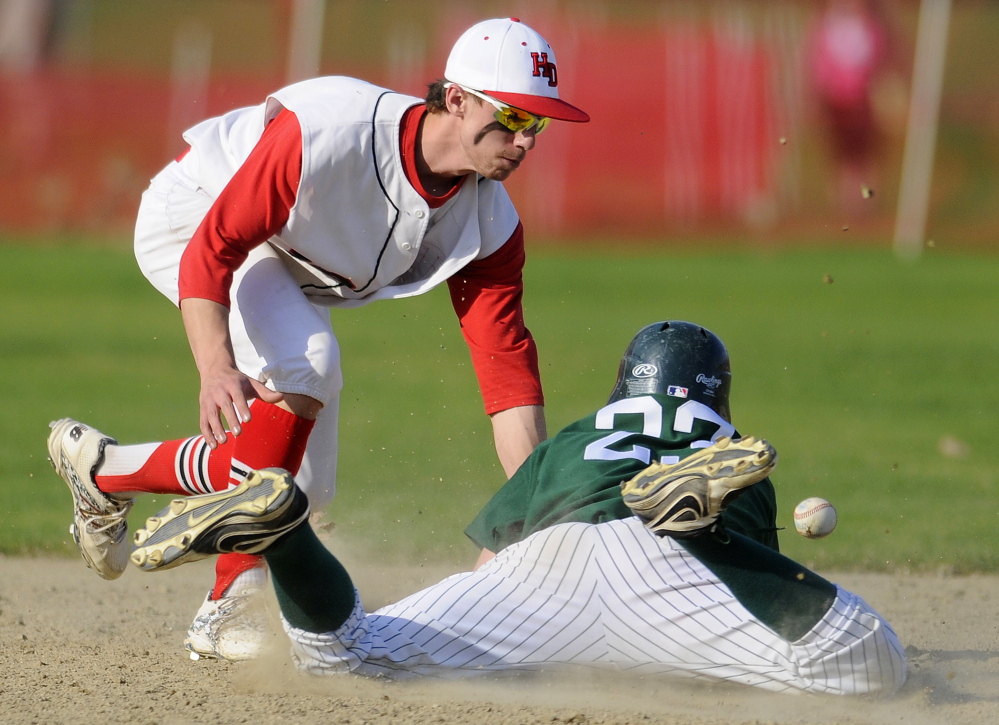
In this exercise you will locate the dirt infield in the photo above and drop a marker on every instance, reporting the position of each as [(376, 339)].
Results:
[(78, 649)]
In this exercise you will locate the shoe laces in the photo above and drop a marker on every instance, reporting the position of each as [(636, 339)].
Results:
[(103, 522)]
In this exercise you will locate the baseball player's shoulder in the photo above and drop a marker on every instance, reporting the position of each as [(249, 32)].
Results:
[(342, 98)]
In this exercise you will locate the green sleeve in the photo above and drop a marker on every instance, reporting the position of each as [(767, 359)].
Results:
[(754, 514), (501, 520)]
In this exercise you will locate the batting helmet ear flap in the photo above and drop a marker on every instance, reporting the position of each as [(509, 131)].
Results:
[(676, 358)]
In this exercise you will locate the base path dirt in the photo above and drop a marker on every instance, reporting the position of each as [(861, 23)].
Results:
[(78, 649)]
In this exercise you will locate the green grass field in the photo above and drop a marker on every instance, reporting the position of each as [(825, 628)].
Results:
[(875, 379)]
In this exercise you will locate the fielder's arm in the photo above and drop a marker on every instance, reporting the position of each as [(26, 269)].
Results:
[(485, 556), (253, 207), (516, 432)]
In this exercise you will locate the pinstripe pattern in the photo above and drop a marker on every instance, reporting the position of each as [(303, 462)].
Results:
[(191, 466), (604, 595)]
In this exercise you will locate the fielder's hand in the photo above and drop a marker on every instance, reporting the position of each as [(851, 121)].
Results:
[(224, 390), (227, 392)]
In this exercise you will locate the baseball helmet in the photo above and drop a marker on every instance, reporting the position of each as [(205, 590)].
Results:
[(676, 358)]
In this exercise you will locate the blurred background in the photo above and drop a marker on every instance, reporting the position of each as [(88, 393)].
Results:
[(777, 121), (743, 156)]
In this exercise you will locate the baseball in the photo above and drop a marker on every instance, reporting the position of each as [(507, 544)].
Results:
[(814, 518)]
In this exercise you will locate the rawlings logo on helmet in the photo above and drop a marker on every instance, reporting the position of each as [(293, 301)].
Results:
[(709, 382), (644, 370)]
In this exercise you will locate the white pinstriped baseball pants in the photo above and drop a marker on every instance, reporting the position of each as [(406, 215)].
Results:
[(607, 595)]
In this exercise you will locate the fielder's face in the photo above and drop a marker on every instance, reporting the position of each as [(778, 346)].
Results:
[(490, 148)]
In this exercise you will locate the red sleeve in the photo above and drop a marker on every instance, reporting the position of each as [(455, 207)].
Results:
[(488, 298), (252, 208)]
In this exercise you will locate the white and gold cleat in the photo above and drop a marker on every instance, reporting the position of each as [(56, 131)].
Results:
[(684, 499), (246, 519), (100, 526)]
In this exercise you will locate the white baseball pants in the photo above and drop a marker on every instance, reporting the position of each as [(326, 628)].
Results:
[(609, 595), (278, 336)]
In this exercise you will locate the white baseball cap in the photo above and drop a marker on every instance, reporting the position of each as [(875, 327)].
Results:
[(509, 61)]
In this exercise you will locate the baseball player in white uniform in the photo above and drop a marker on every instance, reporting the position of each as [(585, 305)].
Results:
[(332, 192), (640, 538)]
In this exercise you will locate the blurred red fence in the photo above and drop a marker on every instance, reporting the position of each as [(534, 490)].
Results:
[(683, 130), (77, 149)]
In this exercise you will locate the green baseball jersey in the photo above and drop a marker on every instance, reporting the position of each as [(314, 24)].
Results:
[(576, 475)]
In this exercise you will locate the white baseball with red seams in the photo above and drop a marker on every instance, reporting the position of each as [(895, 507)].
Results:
[(814, 518)]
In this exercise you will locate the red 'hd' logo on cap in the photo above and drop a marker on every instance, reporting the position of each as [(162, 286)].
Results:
[(543, 68)]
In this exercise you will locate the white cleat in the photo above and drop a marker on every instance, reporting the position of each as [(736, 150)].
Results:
[(99, 528), (233, 627)]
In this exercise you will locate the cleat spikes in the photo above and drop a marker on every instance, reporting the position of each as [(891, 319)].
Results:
[(247, 519), (685, 499)]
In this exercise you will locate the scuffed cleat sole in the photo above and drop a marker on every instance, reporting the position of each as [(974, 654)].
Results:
[(246, 519), (685, 499)]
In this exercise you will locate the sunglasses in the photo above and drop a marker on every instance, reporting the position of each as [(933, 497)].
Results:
[(513, 119)]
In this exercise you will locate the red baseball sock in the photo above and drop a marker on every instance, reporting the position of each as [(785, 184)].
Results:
[(186, 467), (272, 438), (230, 566)]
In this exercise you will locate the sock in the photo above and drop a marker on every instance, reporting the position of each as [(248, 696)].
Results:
[(186, 467), (313, 589), (230, 566), (272, 438), (785, 596), (250, 581)]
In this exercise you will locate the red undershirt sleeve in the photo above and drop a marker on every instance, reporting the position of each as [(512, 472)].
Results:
[(253, 207), (487, 296)]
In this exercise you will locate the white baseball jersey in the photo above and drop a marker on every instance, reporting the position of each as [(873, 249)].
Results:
[(358, 231), (609, 595)]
